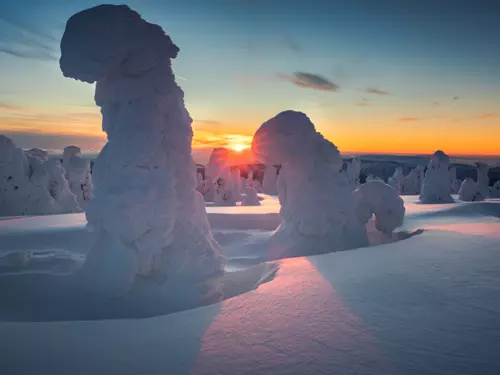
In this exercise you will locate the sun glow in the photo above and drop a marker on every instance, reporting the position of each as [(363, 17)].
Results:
[(238, 147)]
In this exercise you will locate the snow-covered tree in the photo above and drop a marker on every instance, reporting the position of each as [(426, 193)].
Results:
[(236, 183), (78, 174), (495, 190), (42, 155), (471, 190), (218, 172), (397, 180), (413, 181), (145, 211), (270, 178), (377, 199), (318, 207), (436, 186), (351, 170), (30, 186), (250, 198)]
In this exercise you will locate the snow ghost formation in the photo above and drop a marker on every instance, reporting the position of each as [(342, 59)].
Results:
[(250, 198), (78, 174), (318, 206), (269, 185), (381, 201), (351, 170), (412, 182), (474, 191), (436, 186), (31, 186), (218, 173), (397, 180), (145, 209)]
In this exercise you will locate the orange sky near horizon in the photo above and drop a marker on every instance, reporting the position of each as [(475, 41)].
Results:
[(410, 135)]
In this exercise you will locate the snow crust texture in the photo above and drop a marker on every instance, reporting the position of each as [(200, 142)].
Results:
[(144, 199)]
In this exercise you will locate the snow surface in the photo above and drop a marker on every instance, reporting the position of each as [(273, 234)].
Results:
[(426, 305)]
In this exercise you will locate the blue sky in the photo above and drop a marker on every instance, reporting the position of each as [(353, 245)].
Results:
[(419, 70)]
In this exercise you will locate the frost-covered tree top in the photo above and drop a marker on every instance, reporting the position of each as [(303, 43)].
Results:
[(71, 151), (291, 135), (101, 40), (38, 153)]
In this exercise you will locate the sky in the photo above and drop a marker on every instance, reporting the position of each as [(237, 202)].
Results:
[(405, 77)]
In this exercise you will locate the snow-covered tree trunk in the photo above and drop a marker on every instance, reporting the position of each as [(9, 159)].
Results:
[(145, 206)]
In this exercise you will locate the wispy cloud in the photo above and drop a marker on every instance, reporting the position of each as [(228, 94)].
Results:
[(292, 44), (9, 107), (409, 119), (28, 53), (206, 122), (310, 81), (377, 92), (23, 39), (364, 102), (487, 116), (456, 98)]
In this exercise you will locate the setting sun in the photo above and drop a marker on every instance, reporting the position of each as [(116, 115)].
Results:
[(238, 147)]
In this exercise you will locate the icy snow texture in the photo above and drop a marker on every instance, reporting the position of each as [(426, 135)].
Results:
[(413, 181), (397, 180), (376, 198), (250, 198), (352, 171), (436, 186), (145, 204), (317, 203), (475, 191), (78, 174), (269, 185), (29, 186)]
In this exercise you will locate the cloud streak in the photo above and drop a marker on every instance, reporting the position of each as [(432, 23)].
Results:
[(310, 81), (373, 91), (411, 119)]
